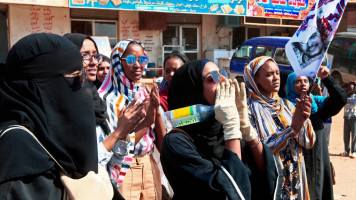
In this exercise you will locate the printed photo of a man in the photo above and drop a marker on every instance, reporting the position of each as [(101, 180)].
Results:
[(314, 48)]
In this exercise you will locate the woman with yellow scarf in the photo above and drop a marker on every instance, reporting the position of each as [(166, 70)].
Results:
[(283, 127)]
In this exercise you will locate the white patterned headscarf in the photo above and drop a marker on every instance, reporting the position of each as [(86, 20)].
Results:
[(118, 91)]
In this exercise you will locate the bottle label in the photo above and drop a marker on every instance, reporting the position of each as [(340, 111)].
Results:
[(186, 121), (183, 112), (187, 115)]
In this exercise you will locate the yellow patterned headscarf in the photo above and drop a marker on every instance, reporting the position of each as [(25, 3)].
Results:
[(250, 72), (260, 105)]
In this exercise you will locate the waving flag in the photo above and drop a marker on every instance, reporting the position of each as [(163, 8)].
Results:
[(307, 48)]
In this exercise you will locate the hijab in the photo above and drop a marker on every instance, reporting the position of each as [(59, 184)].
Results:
[(100, 109), (269, 113), (271, 104), (284, 75), (118, 91), (34, 93), (318, 101), (78, 39), (272, 118), (186, 89)]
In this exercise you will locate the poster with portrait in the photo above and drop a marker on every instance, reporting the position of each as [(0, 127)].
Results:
[(307, 48)]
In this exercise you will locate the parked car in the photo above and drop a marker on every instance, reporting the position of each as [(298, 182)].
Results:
[(342, 54), (259, 46)]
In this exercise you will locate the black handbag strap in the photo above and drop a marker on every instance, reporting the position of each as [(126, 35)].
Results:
[(34, 137)]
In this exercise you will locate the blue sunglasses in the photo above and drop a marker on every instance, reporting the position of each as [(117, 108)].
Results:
[(131, 60)]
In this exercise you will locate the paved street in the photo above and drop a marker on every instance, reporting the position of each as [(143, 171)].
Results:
[(345, 167)]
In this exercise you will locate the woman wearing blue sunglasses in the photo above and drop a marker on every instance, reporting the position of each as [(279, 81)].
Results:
[(133, 169)]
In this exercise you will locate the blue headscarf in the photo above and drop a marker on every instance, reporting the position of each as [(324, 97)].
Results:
[(318, 101)]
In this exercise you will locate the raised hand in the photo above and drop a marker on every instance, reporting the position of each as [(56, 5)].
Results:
[(241, 103), (152, 104), (323, 72), (226, 111), (248, 132), (129, 118), (302, 113)]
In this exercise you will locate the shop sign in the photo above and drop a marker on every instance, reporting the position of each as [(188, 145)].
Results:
[(295, 9), (218, 7), (59, 3)]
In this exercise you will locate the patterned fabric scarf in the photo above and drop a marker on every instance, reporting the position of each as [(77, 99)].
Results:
[(118, 91), (273, 105), (264, 109), (272, 118)]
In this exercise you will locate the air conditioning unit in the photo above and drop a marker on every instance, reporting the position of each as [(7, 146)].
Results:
[(228, 21)]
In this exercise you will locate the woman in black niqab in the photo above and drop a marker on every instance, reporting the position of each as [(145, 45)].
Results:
[(192, 162), (34, 93)]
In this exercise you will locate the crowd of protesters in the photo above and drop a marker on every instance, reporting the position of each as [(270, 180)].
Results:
[(67, 109)]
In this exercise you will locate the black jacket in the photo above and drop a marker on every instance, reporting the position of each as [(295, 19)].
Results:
[(195, 177), (317, 161)]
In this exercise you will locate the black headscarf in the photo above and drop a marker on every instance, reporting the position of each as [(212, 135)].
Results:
[(99, 105), (34, 93), (186, 89), (78, 39), (284, 76)]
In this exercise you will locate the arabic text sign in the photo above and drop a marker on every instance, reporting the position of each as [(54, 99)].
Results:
[(279, 8), (60, 3), (223, 7)]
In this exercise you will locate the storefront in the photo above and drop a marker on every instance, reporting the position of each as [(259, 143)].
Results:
[(162, 27), (200, 28)]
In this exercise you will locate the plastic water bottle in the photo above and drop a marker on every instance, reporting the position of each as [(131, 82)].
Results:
[(188, 115)]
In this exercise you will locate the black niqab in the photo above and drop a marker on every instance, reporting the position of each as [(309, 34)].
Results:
[(34, 93), (186, 89)]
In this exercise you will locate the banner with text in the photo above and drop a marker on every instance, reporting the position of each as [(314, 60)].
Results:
[(294, 9), (222, 7), (59, 3)]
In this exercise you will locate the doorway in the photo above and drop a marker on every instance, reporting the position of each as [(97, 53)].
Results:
[(182, 38)]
